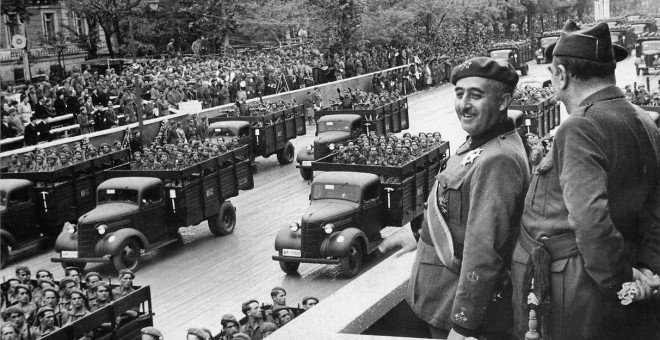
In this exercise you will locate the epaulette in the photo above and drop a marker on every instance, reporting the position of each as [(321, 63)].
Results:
[(581, 111)]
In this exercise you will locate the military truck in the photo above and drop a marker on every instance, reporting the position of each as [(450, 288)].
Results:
[(647, 54), (349, 206), (35, 205), (103, 323), (624, 36), (544, 41), (339, 126), (516, 53), (268, 134), (141, 210)]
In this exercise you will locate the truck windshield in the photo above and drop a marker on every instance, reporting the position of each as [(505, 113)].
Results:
[(545, 42), (500, 54), (118, 195), (221, 132), (334, 126), (651, 47), (336, 191)]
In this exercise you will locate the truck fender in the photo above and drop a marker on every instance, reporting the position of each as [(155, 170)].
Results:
[(7, 237), (66, 241), (339, 243), (305, 155), (109, 245), (287, 239)]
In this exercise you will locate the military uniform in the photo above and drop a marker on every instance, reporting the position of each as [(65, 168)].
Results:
[(480, 197)]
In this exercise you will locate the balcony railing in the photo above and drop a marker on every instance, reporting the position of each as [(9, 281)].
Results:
[(41, 52)]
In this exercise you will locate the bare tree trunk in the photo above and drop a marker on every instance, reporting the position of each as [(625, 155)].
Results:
[(108, 39)]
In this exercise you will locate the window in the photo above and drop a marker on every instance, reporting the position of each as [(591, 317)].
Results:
[(151, 195), (13, 23), (49, 25), (79, 24), (19, 196), (371, 193)]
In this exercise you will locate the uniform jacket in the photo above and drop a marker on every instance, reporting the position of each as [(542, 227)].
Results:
[(600, 183), (481, 200)]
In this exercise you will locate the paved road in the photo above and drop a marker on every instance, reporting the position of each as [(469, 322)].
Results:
[(195, 284)]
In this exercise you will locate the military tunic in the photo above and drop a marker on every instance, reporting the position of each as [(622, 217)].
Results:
[(480, 196)]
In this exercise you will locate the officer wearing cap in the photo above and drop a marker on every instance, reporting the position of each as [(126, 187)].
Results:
[(458, 284), (592, 222), (151, 333)]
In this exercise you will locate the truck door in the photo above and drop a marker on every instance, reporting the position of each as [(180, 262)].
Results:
[(153, 214), (20, 215), (372, 217)]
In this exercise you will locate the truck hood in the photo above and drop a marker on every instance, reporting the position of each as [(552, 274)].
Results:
[(328, 210), (108, 212), (331, 137)]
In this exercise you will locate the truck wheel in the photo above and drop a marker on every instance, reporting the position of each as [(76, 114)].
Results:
[(225, 221), (350, 265), (307, 174), (289, 267), (80, 266), (128, 256), (4, 253), (285, 156)]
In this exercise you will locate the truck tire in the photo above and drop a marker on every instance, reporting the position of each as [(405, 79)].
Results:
[(80, 266), (307, 174), (128, 256), (225, 221), (350, 265), (4, 253), (285, 156), (289, 267)]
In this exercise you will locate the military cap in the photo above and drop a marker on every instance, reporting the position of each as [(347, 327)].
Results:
[(28, 289), (593, 44), (12, 310), (90, 274), (241, 336), (78, 291), (198, 332), (40, 281), (278, 289), (68, 269), (126, 271), (268, 327), (228, 318), (245, 307), (99, 284), (304, 300), (66, 280), (484, 67), (137, 153), (279, 308), (153, 332), (43, 310), (49, 289)]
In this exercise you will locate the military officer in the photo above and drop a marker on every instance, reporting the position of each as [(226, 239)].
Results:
[(458, 284), (592, 214)]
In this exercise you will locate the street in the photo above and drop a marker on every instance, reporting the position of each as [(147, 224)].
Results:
[(195, 284)]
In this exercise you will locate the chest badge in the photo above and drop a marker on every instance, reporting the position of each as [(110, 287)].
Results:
[(471, 156)]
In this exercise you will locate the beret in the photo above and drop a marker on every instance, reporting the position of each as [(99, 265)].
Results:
[(304, 300), (43, 310), (268, 327), (246, 305), (152, 331), (228, 318), (49, 289), (593, 44), (78, 291), (198, 332), (484, 67), (12, 310), (279, 308), (241, 336), (126, 271), (275, 289)]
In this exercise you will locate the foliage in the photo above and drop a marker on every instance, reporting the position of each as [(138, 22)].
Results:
[(16, 7)]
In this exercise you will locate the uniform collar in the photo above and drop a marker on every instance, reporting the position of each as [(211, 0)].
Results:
[(474, 142), (608, 93)]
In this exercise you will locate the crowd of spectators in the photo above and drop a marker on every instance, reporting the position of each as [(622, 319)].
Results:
[(641, 96), (33, 308)]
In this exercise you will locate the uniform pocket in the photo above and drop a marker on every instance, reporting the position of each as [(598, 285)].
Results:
[(451, 196), (431, 286), (539, 190)]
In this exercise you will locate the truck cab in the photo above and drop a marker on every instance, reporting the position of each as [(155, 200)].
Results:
[(229, 129), (19, 226), (544, 42), (512, 55), (647, 54), (341, 225), (130, 215), (330, 130)]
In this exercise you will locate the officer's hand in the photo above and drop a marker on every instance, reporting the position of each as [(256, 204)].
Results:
[(402, 240)]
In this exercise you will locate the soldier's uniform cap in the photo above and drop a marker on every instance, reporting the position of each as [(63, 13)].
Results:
[(276, 289), (268, 327), (66, 280), (126, 271), (99, 284), (245, 307), (228, 318), (41, 281), (241, 336), (198, 332), (12, 310), (152, 331), (304, 300), (49, 289), (137, 153), (593, 44), (43, 310), (78, 291), (484, 67), (67, 269)]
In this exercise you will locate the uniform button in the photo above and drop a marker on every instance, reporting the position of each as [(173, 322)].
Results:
[(502, 136), (426, 205), (444, 185)]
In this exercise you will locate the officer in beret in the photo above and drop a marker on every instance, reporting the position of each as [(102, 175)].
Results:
[(591, 225), (151, 333), (458, 284)]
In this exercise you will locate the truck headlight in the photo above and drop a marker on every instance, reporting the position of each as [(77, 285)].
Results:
[(101, 229), (309, 147), (328, 227), (294, 226), (70, 228), (331, 146)]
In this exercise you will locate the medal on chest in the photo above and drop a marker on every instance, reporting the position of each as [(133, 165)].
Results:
[(471, 156)]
